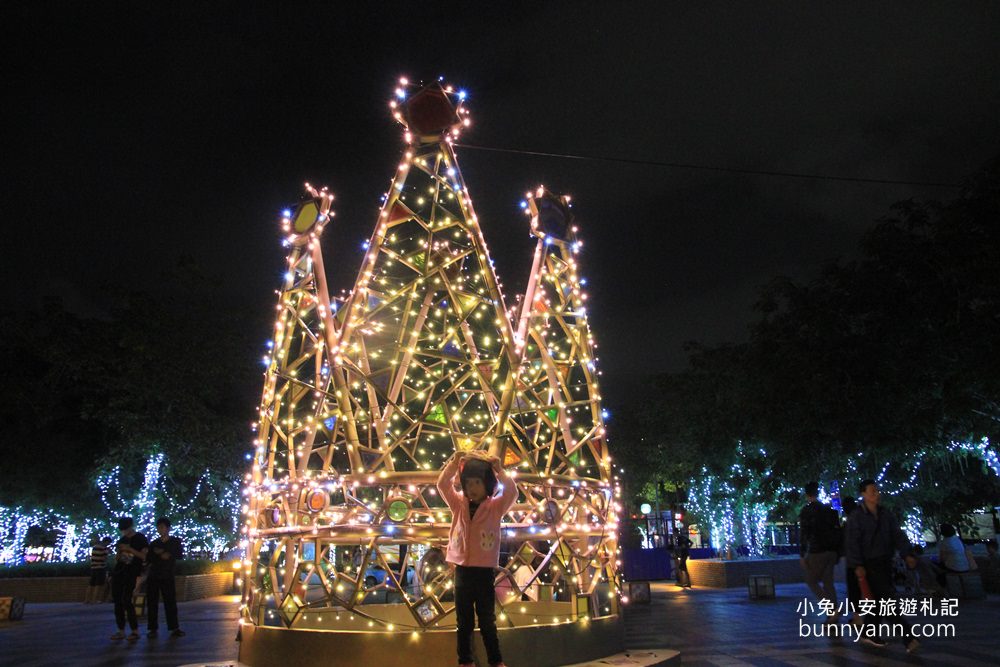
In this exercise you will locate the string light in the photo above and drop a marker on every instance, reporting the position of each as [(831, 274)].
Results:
[(739, 516), (368, 394), (72, 544)]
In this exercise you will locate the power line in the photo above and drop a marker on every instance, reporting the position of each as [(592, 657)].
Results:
[(705, 167)]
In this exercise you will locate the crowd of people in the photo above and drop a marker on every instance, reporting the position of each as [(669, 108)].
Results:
[(137, 566), (871, 541)]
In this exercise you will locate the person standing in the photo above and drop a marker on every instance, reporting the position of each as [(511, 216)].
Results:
[(849, 505), (98, 569), (991, 571), (873, 537), (164, 552), (109, 568), (682, 550), (130, 552), (474, 545), (819, 544)]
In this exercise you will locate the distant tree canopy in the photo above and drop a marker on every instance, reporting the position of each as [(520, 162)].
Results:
[(887, 359), (174, 373)]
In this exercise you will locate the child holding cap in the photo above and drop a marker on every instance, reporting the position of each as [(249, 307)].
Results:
[(474, 543)]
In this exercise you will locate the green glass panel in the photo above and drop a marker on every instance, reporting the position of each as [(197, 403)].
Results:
[(438, 415), (398, 510)]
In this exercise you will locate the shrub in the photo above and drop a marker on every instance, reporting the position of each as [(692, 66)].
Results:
[(45, 570), (202, 566), (183, 567)]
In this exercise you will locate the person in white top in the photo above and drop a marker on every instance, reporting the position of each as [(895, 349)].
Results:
[(951, 550)]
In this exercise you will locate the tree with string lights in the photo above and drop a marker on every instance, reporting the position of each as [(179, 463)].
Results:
[(881, 367)]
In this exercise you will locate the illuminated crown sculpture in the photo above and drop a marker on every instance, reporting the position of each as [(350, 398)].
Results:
[(367, 396)]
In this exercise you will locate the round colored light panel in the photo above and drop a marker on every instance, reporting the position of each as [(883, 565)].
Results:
[(398, 510)]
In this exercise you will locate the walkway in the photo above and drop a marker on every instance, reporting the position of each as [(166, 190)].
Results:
[(66, 634), (708, 627)]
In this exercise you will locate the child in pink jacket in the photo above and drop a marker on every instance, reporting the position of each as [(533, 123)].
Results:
[(474, 544)]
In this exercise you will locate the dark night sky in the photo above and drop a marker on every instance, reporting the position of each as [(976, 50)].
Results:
[(139, 134)]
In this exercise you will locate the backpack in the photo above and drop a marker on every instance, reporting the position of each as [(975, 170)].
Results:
[(828, 532)]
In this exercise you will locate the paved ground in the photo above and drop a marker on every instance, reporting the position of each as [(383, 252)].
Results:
[(67, 634), (709, 627), (712, 627)]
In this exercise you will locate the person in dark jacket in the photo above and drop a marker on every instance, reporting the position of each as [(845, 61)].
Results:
[(819, 544), (164, 552), (873, 538), (849, 506), (130, 551), (682, 550)]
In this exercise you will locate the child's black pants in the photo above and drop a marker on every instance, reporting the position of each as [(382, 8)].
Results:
[(474, 592)]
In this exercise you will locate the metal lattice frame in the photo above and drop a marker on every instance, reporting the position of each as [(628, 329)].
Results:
[(366, 397)]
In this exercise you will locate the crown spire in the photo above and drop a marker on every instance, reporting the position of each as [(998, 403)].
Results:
[(430, 112)]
